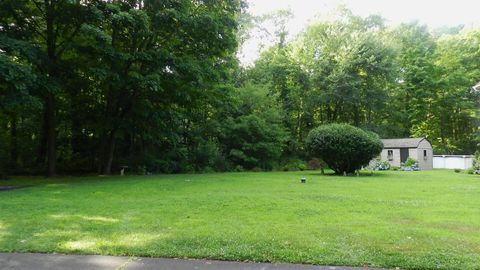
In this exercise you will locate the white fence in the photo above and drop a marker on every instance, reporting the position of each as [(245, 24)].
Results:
[(452, 162)]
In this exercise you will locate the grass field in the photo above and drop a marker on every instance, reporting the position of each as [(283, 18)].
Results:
[(411, 220)]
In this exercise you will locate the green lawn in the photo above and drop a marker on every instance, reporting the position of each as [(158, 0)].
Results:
[(411, 220)]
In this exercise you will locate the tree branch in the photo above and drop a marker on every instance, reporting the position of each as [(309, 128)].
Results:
[(39, 7), (61, 46), (22, 24)]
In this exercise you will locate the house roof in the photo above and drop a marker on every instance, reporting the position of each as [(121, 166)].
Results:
[(402, 143)]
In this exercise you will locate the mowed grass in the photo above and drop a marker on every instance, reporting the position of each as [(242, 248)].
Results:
[(411, 220)]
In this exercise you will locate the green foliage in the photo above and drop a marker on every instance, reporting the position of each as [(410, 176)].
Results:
[(476, 160), (206, 155), (379, 165), (118, 81), (437, 78), (294, 165), (302, 167), (410, 165), (89, 86), (314, 164), (256, 169), (343, 147), (398, 82), (253, 140), (410, 162), (238, 168), (253, 135), (349, 65), (3, 174)]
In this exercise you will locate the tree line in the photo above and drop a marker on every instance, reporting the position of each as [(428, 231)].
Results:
[(403, 81), (89, 86)]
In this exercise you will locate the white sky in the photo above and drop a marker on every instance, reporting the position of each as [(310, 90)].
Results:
[(433, 13)]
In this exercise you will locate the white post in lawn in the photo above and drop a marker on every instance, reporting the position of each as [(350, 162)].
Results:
[(122, 170)]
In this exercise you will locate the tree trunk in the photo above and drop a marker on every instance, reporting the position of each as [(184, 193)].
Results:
[(299, 125), (107, 168), (356, 116), (50, 100), (42, 150), (13, 144), (101, 152), (51, 136), (77, 141)]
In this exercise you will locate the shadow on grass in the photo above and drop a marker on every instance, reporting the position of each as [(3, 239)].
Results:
[(80, 234), (8, 188), (33, 181)]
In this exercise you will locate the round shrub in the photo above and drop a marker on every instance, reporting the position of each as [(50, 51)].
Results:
[(343, 147)]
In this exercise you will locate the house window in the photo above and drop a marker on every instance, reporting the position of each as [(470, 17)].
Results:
[(390, 155), (425, 154)]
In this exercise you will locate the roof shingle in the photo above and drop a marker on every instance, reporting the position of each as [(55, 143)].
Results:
[(402, 143)]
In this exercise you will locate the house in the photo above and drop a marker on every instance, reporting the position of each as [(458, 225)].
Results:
[(397, 151)]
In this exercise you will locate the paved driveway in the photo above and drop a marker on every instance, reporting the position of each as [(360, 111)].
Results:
[(34, 261)]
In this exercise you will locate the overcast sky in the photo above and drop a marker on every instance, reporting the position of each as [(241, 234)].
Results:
[(433, 13)]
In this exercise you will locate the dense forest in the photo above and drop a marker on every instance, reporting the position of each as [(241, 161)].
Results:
[(88, 86)]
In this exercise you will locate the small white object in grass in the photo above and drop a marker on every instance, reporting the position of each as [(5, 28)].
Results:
[(122, 170)]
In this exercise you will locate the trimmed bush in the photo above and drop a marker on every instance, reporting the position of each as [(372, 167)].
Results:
[(343, 147)]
